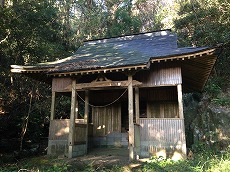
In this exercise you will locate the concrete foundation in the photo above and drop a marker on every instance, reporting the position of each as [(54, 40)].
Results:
[(114, 139)]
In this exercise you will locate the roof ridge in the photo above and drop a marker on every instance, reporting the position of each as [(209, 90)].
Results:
[(130, 37)]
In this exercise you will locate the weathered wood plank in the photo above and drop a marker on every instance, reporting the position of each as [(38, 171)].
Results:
[(103, 84), (137, 107), (180, 101), (59, 129), (80, 133), (106, 120), (137, 141), (131, 124), (162, 109), (160, 75), (72, 119), (52, 115), (61, 84), (162, 134), (86, 116)]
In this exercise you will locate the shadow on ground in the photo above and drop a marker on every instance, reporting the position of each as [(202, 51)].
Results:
[(108, 158)]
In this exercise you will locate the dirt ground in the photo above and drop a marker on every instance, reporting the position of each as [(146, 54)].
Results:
[(106, 157)]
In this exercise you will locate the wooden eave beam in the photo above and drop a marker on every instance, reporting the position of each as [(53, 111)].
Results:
[(196, 71), (97, 71), (205, 63), (28, 71), (191, 81), (104, 84), (99, 85), (184, 56), (75, 73)]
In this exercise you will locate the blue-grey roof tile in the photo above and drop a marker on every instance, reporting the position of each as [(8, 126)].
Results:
[(121, 51)]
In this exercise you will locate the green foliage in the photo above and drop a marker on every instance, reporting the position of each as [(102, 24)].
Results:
[(122, 22), (36, 31), (216, 85), (206, 23), (202, 23), (38, 164), (29, 34), (222, 101), (213, 86), (50, 164), (201, 162)]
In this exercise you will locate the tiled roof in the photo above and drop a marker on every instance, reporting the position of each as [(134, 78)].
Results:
[(117, 52)]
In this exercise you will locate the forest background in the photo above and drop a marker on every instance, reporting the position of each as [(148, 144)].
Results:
[(34, 31)]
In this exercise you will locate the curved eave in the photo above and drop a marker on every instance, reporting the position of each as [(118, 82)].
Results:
[(208, 51), (196, 68), (49, 72), (22, 70), (196, 71)]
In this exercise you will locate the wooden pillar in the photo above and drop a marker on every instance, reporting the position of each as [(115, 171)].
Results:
[(76, 109), (52, 115), (72, 119), (86, 116), (180, 101), (131, 125), (181, 115), (137, 107)]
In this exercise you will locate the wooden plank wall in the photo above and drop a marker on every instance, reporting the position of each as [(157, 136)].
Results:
[(159, 94), (137, 140), (102, 97), (59, 130), (162, 110), (160, 74), (158, 134), (61, 84), (106, 120), (80, 134)]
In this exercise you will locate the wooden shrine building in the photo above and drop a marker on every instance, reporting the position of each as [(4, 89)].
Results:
[(132, 90)]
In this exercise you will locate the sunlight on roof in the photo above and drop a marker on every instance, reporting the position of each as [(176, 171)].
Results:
[(92, 43)]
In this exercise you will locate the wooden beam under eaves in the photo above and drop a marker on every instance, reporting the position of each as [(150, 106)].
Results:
[(103, 70), (104, 84), (183, 57)]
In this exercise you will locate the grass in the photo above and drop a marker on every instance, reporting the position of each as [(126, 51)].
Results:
[(223, 100), (201, 162), (36, 164)]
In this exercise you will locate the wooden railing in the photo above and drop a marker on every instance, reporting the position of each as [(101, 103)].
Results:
[(59, 130)]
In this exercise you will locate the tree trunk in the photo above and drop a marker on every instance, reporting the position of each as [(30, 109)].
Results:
[(2, 3), (25, 122)]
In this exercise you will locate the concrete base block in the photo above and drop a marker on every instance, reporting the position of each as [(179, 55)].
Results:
[(57, 147), (114, 139)]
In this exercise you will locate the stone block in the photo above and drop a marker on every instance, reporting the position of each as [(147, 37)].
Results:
[(124, 143), (75, 148), (117, 139), (110, 139), (110, 143), (57, 147), (117, 144)]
